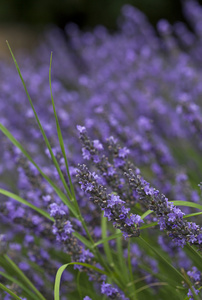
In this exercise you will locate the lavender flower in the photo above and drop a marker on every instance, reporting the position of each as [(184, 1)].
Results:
[(111, 292), (111, 204), (170, 217)]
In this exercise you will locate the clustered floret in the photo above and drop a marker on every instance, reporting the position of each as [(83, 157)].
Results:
[(113, 207), (170, 218)]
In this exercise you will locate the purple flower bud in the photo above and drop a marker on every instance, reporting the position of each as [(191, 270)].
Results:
[(97, 145), (81, 129)]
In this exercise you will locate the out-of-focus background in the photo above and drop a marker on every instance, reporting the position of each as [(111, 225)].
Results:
[(23, 21)]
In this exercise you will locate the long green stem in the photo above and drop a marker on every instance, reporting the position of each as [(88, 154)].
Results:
[(131, 272), (24, 277)]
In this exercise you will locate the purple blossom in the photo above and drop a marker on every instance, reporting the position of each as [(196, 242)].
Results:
[(85, 153), (114, 200), (108, 290), (55, 210), (194, 274), (123, 152), (85, 255), (68, 227), (190, 293), (81, 129), (97, 145)]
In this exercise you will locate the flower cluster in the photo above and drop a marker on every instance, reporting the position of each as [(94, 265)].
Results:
[(169, 216), (114, 208), (196, 278)]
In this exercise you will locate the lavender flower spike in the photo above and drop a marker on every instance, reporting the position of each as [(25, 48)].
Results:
[(169, 216), (113, 207)]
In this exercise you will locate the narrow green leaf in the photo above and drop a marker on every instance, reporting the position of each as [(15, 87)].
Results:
[(196, 256), (40, 126), (33, 296), (109, 238), (156, 223), (60, 133), (192, 215), (133, 289), (23, 201), (150, 285), (105, 243), (177, 203), (148, 225), (117, 278), (122, 263), (171, 267), (60, 272), (78, 284), (24, 277), (187, 203), (3, 287), (83, 239), (144, 215)]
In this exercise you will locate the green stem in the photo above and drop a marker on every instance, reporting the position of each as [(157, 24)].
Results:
[(131, 273), (24, 277)]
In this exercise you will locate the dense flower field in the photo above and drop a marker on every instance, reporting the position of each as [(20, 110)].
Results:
[(101, 165)]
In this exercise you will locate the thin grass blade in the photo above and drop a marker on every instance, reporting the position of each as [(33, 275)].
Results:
[(3, 287), (40, 127), (59, 131), (60, 272), (31, 295), (24, 278), (23, 201)]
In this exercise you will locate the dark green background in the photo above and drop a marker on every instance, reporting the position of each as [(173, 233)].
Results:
[(86, 13)]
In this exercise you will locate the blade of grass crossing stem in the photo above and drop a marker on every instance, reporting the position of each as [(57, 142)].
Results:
[(24, 278), (175, 271), (156, 223), (132, 287), (40, 126), (60, 272), (57, 190), (144, 215), (82, 239), (105, 243), (113, 236), (150, 285), (122, 264), (186, 203), (177, 203), (23, 201), (78, 284), (3, 287), (32, 296), (108, 253), (59, 132), (196, 253)]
